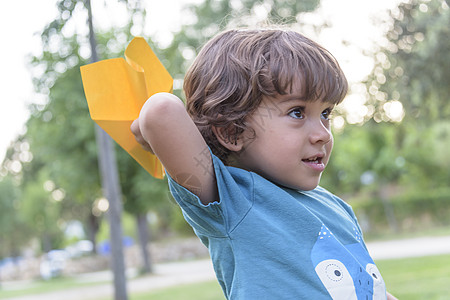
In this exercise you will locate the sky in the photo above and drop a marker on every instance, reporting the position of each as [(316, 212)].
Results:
[(21, 21)]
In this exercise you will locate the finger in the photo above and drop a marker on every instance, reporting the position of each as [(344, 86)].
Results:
[(135, 127), (147, 147)]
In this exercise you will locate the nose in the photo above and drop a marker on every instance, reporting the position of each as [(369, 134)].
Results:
[(320, 132)]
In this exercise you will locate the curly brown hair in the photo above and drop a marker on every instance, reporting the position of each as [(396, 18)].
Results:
[(236, 68)]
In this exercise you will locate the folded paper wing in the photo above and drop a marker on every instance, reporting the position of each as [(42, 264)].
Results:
[(116, 89)]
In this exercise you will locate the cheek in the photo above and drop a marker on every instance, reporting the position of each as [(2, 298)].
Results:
[(329, 146)]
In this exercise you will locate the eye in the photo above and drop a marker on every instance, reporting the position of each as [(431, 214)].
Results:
[(326, 114), (374, 272), (379, 288), (336, 279), (297, 113), (334, 272)]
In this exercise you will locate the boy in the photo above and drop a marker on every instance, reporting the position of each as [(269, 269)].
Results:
[(244, 160)]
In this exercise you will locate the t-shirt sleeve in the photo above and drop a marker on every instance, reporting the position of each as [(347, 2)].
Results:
[(219, 218)]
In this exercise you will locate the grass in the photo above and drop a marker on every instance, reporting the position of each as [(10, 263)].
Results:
[(200, 291), (422, 278), (41, 287)]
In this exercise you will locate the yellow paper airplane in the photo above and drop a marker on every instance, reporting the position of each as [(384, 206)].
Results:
[(116, 89)]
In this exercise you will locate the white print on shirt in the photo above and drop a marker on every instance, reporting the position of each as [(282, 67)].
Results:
[(346, 271)]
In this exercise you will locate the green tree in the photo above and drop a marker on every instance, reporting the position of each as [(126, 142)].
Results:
[(414, 65), (14, 232), (61, 133), (61, 137), (211, 16), (402, 145), (41, 210), (141, 193), (414, 68)]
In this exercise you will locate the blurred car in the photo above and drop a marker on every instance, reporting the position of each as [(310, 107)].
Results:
[(80, 248), (53, 264)]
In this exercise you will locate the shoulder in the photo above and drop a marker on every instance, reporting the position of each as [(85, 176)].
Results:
[(328, 196), (233, 184), (230, 179)]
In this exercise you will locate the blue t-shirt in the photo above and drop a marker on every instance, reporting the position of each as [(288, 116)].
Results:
[(271, 242)]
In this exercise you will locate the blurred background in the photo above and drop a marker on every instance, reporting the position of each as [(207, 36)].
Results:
[(391, 159)]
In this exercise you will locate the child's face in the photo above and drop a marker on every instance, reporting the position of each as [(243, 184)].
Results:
[(292, 142)]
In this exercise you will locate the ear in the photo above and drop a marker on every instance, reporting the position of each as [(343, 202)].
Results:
[(223, 136)]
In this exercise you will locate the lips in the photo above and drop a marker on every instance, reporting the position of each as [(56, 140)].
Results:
[(315, 162)]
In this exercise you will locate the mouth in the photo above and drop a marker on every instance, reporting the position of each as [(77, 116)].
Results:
[(315, 162), (314, 159)]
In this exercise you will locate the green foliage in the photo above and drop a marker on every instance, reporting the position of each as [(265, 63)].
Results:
[(411, 154), (413, 210), (401, 162), (62, 137), (42, 212), (141, 191), (413, 68), (128, 226), (426, 154), (14, 232), (414, 65), (364, 157), (212, 16), (60, 133)]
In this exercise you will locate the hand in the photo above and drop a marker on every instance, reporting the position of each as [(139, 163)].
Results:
[(390, 297), (136, 130)]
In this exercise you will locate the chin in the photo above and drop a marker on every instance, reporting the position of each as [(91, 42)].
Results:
[(299, 184), (308, 188), (308, 185), (302, 187)]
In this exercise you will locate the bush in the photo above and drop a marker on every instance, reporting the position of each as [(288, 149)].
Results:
[(413, 210)]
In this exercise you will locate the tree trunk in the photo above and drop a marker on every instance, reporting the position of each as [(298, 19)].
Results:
[(144, 237), (388, 209), (111, 189), (92, 231), (46, 242)]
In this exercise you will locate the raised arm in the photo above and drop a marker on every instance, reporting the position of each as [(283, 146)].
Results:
[(165, 128)]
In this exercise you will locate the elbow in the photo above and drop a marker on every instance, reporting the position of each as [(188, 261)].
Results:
[(159, 112), (159, 108)]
